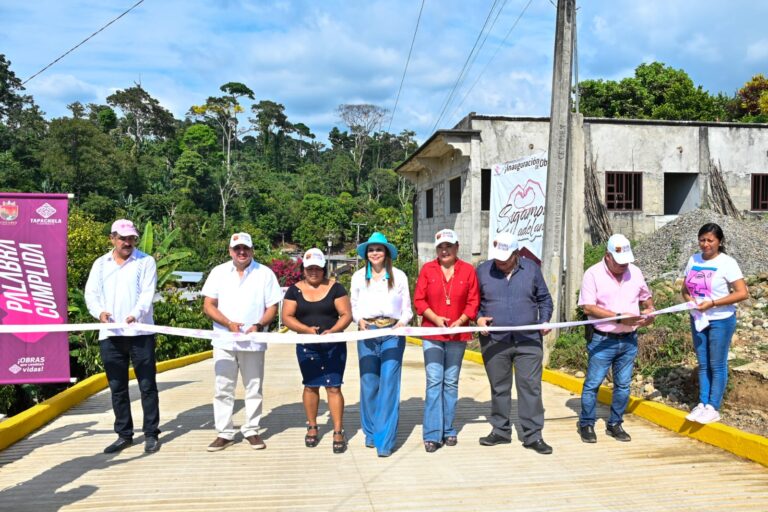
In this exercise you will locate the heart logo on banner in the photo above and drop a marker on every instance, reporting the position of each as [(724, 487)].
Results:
[(524, 199)]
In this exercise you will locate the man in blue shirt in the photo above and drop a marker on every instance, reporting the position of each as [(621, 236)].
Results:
[(512, 293)]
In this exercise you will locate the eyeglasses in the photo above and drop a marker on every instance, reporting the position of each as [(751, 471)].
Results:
[(375, 249), (239, 248), (128, 238)]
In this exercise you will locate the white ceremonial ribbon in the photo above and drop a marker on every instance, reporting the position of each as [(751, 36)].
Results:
[(291, 338)]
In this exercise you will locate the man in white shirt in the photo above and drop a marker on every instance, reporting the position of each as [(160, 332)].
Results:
[(240, 296), (120, 288)]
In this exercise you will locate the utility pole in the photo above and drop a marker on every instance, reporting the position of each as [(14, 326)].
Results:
[(559, 127), (357, 240)]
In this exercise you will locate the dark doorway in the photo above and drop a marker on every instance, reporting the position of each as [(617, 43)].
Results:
[(681, 193)]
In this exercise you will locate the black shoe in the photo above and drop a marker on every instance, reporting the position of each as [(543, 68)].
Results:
[(587, 433), (431, 446), (618, 433), (121, 444), (151, 445), (493, 439), (539, 446), (451, 441), (339, 446)]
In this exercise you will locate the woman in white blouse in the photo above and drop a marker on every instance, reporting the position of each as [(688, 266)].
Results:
[(380, 299)]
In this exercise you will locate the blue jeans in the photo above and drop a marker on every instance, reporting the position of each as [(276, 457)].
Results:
[(608, 352), (442, 362), (381, 361), (711, 347)]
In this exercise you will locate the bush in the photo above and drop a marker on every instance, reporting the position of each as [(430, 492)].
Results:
[(175, 312), (288, 271), (593, 254), (570, 350)]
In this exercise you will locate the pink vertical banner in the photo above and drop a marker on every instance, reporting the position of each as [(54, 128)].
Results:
[(33, 282)]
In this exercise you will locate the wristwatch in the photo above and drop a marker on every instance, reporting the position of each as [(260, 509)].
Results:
[(259, 327)]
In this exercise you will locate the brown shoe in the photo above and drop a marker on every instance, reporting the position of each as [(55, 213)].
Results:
[(256, 442), (219, 444)]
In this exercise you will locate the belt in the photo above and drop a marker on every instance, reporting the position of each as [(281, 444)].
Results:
[(381, 321), (614, 334)]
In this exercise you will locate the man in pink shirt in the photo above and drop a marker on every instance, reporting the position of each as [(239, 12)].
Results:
[(612, 288)]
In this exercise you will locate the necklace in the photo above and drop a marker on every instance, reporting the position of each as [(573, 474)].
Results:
[(447, 293)]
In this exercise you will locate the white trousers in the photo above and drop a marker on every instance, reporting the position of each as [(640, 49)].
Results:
[(226, 365)]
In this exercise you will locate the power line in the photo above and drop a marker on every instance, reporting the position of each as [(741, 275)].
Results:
[(407, 61), (464, 68), (509, 32), (83, 41)]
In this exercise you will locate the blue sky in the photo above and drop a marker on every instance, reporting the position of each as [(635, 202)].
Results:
[(312, 56)]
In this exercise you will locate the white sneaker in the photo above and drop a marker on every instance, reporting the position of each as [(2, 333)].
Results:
[(708, 415), (694, 414)]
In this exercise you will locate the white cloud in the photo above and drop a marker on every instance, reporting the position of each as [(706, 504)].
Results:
[(758, 51), (313, 56)]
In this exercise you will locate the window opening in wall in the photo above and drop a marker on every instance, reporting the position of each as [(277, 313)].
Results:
[(430, 204), (760, 192), (485, 190), (681, 194), (454, 201), (624, 191)]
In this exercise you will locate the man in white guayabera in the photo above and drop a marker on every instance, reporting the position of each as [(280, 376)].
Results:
[(240, 296), (120, 288)]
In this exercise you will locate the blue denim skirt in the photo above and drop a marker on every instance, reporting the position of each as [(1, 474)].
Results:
[(322, 364)]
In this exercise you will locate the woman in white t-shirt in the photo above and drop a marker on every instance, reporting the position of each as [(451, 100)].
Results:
[(714, 281)]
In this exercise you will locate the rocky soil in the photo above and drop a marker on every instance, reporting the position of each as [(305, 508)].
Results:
[(663, 254)]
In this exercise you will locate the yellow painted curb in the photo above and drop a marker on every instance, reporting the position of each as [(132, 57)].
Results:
[(738, 442), (22, 424)]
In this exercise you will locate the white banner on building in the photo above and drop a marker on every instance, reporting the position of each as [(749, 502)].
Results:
[(518, 193)]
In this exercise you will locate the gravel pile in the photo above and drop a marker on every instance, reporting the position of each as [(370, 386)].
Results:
[(664, 253)]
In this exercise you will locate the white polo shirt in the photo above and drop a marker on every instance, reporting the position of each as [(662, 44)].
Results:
[(242, 300)]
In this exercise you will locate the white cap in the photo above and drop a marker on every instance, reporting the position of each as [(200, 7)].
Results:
[(313, 258), (124, 227), (241, 239), (619, 247), (446, 236), (503, 246)]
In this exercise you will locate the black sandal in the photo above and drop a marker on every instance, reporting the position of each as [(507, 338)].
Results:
[(339, 446), (310, 441)]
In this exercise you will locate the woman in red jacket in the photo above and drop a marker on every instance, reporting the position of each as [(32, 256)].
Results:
[(447, 295)]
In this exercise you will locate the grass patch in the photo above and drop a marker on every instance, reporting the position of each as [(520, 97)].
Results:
[(738, 361), (570, 350)]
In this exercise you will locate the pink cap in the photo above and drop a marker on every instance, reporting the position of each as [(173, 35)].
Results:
[(124, 227)]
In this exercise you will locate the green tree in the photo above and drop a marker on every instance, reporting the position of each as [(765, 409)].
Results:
[(752, 100), (167, 259), (656, 91), (79, 158), (144, 117), (86, 241), (223, 112), (362, 120), (22, 130), (321, 217)]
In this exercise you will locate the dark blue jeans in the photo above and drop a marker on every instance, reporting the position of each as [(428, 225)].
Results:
[(116, 354), (607, 352), (712, 346)]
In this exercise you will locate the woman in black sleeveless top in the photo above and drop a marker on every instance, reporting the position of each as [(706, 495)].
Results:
[(314, 305)]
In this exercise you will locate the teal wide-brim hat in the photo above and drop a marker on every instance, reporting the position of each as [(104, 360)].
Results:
[(380, 239)]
